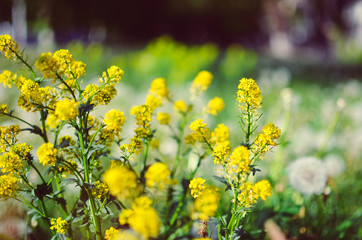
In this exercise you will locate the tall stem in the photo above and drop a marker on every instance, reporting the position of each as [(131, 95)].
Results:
[(92, 205)]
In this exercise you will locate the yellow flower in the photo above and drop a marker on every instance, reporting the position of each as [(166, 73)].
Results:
[(153, 102), (99, 190), (134, 147), (8, 78), (52, 121), (8, 136), (114, 74), (267, 137), (249, 94), (121, 181), (220, 134), (158, 175), (163, 118), (114, 120), (201, 82), (206, 205), (66, 109), (3, 109), (180, 106), (12, 161), (8, 185), (47, 154), (263, 188), (143, 115), (197, 186), (215, 106), (47, 65), (9, 47), (61, 226), (240, 159), (200, 131), (221, 152), (248, 195), (111, 233), (159, 88), (142, 218)]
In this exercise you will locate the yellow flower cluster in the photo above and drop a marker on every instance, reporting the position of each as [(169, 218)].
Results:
[(197, 186), (47, 154), (215, 106), (142, 218), (8, 79), (67, 66), (248, 94), (220, 134), (250, 193), (201, 82), (8, 136), (267, 137), (8, 185), (99, 190), (12, 161), (3, 109), (121, 181), (111, 233), (114, 120), (180, 106), (35, 97), (60, 64), (163, 118), (158, 176), (99, 95), (207, 199), (143, 115), (9, 47), (61, 226), (239, 161), (159, 88), (113, 74), (66, 109), (200, 132)]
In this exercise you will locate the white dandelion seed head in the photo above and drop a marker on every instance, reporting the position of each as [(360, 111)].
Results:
[(308, 175), (335, 164)]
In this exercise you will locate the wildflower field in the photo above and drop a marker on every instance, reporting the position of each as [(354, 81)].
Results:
[(163, 143)]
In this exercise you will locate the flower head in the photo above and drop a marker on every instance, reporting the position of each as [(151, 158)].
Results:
[(158, 175), (201, 82), (66, 109), (121, 181), (267, 137), (215, 106), (180, 106), (159, 88), (142, 218), (9, 47), (163, 118), (308, 175), (8, 185), (114, 120), (61, 226), (47, 154), (248, 94)]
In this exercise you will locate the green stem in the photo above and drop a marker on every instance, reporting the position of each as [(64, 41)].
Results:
[(92, 205), (331, 127)]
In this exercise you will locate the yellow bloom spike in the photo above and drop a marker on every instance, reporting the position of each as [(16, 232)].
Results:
[(47, 154), (61, 226), (215, 106), (248, 94), (9, 47), (158, 175), (201, 82)]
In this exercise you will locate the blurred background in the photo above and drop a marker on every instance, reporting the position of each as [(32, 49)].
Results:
[(306, 56)]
